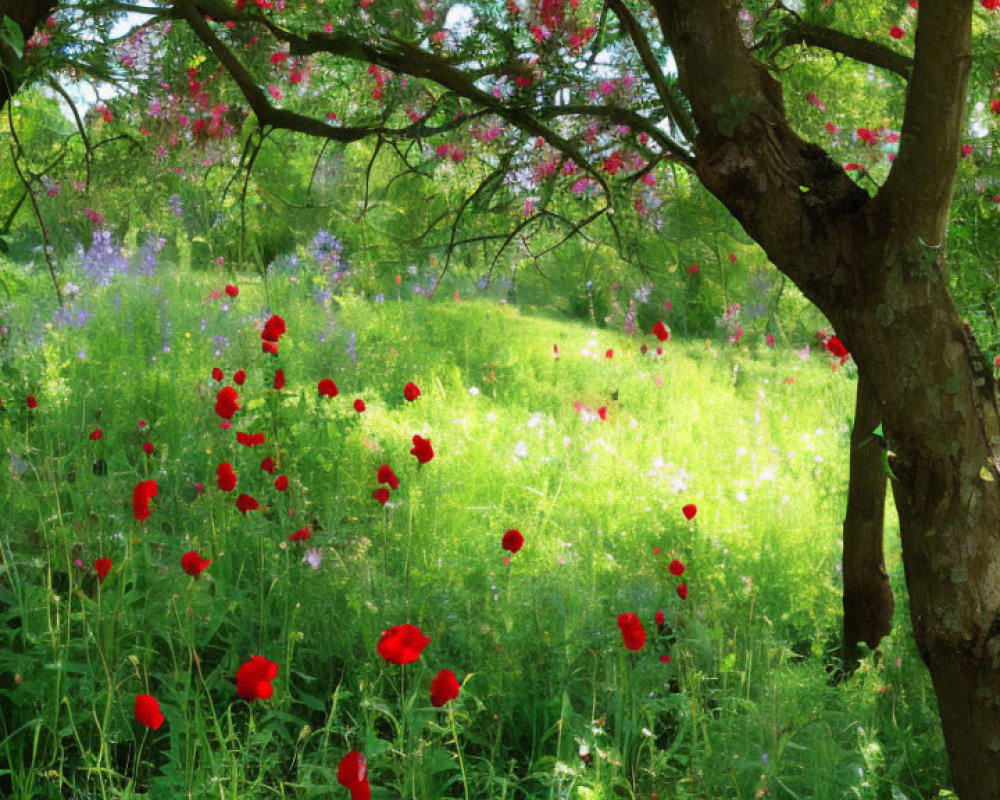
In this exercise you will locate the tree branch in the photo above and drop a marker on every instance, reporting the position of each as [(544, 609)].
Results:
[(924, 170), (858, 49), (678, 114)]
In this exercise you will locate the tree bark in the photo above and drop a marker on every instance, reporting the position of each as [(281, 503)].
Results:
[(868, 601), (875, 268)]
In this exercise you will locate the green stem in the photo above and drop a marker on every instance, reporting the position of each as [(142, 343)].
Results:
[(458, 749)]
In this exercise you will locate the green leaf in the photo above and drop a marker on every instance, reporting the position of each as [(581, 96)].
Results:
[(885, 465), (10, 33)]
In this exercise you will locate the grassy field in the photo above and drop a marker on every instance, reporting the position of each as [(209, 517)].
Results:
[(552, 704)]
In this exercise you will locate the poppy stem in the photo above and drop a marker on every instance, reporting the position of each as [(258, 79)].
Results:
[(458, 749)]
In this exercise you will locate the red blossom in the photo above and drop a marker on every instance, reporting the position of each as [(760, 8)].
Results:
[(381, 494), (359, 405), (225, 476), (250, 439), (226, 402), (267, 465), (102, 567), (352, 773), (676, 568), (682, 591), (689, 510), (147, 711), (660, 331), (193, 564), (240, 377), (300, 535), (279, 380), (512, 541), (896, 32), (141, 495), (231, 290), (246, 503), (96, 435), (402, 644), (217, 374), (633, 634), (32, 402), (281, 483), (327, 388), (274, 329), (411, 391), (660, 619), (148, 448), (422, 449), (444, 687), (387, 475), (253, 679)]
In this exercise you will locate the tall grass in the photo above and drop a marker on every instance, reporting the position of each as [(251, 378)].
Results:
[(552, 705)]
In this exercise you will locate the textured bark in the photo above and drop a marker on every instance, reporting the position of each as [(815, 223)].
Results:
[(28, 14), (875, 268), (868, 601)]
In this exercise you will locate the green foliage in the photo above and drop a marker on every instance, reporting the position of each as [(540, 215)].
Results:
[(551, 703)]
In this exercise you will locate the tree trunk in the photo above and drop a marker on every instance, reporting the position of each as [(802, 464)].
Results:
[(28, 14), (868, 601)]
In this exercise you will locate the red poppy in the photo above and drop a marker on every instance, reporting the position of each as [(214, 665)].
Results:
[(246, 503), (200, 487), (633, 634), (274, 329), (300, 535), (281, 483), (682, 591), (665, 659), (143, 493), (141, 423), (32, 401), (240, 377), (102, 567), (444, 687), (279, 380), (381, 494), (225, 476), (656, 550), (836, 347), (250, 439), (609, 354), (327, 388), (96, 435), (660, 331), (267, 465), (602, 412), (386, 475), (147, 448), (253, 679), (512, 540), (896, 32), (359, 405), (193, 564), (147, 711), (401, 644), (217, 374), (411, 392), (269, 347), (660, 619), (676, 568), (231, 290), (352, 773), (422, 449), (225, 402), (689, 510)]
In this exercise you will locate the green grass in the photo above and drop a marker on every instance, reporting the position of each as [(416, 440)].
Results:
[(745, 709)]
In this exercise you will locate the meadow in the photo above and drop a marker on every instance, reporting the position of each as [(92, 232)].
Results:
[(620, 469)]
